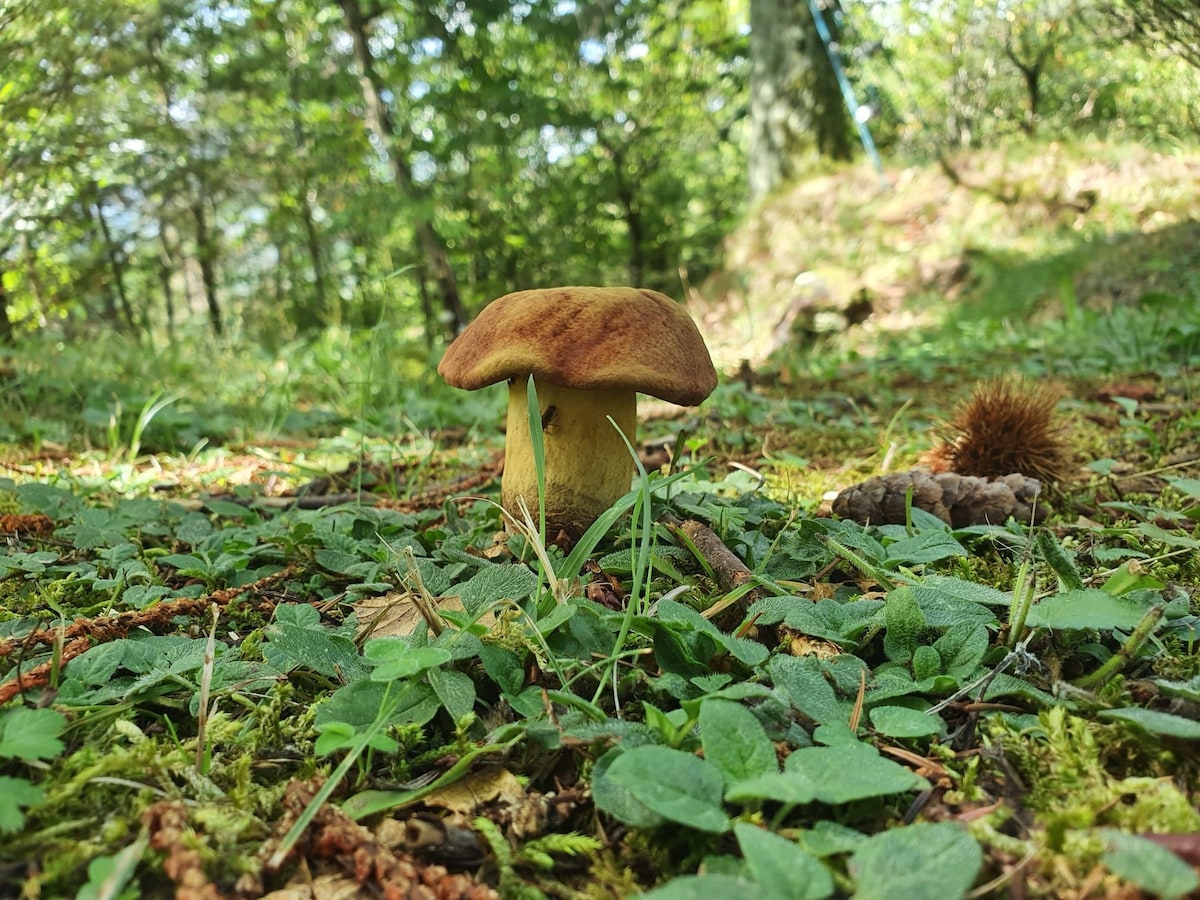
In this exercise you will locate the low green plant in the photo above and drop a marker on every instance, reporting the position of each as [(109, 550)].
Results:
[(26, 736)]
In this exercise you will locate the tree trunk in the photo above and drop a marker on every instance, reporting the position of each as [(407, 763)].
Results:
[(166, 271), (831, 120), (206, 256), (1031, 71), (113, 255), (436, 256), (795, 102), (631, 211), (427, 313), (7, 337), (316, 313)]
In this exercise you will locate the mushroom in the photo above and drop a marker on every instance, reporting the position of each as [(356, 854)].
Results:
[(589, 350)]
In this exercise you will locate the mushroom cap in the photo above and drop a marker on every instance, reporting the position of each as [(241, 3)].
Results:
[(588, 338)]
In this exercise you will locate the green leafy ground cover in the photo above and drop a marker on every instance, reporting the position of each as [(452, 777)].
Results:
[(908, 710)]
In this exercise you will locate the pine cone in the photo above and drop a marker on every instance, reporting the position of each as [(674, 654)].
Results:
[(959, 500)]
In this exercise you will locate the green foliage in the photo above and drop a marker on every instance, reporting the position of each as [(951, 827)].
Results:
[(30, 734), (920, 861), (780, 867), (668, 785), (726, 749), (1155, 722), (541, 145), (735, 741), (1029, 67), (1086, 608), (1146, 864), (26, 735)]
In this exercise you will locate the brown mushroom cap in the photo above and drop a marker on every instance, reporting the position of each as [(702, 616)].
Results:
[(588, 338)]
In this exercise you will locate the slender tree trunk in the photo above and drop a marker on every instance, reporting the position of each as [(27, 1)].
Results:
[(206, 256), (795, 102), (430, 318), (113, 255), (319, 313), (634, 226), (7, 335), (1031, 72), (277, 276), (436, 256), (166, 272), (1033, 91), (831, 119)]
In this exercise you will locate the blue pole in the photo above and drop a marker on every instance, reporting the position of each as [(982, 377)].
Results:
[(835, 60)]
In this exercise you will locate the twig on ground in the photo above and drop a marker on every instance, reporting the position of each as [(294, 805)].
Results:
[(83, 634)]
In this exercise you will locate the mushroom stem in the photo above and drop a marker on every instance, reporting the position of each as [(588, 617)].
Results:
[(588, 467)]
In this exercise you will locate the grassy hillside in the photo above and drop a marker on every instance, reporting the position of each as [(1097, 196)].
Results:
[(1033, 230)]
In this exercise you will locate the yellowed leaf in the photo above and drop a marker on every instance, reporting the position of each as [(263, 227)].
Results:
[(395, 614), (477, 789)]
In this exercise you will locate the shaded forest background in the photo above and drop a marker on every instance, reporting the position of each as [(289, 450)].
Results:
[(274, 169)]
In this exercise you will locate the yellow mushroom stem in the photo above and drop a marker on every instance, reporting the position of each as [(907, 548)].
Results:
[(588, 467)]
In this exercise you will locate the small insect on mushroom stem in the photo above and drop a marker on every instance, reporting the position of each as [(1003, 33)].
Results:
[(548, 416)]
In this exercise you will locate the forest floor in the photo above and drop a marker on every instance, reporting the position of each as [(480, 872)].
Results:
[(238, 583)]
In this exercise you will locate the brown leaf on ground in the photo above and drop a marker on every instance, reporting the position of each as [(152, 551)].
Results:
[(1139, 392), (799, 644), (603, 588), (958, 500), (496, 793), (334, 841), (35, 524), (467, 795), (396, 615)]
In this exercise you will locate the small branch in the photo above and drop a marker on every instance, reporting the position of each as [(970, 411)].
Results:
[(83, 634), (730, 572)]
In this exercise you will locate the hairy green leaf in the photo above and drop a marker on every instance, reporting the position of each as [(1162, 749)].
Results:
[(734, 741), (956, 589), (804, 682), (904, 621), (851, 772), (917, 862), (1059, 560), (16, 794), (1148, 865), (782, 869), (704, 887), (924, 547), (30, 734), (1155, 722), (1088, 608), (680, 787), (902, 722)]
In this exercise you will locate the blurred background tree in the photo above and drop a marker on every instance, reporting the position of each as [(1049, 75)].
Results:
[(272, 169), (796, 106)]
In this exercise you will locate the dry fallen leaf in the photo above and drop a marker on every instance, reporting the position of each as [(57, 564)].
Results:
[(396, 615), (467, 795), (803, 645)]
